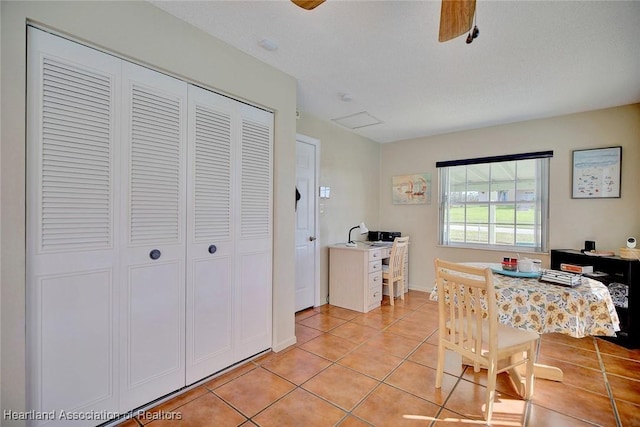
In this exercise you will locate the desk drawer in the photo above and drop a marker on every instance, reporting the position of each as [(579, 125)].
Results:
[(375, 295), (375, 255), (375, 266), (375, 279)]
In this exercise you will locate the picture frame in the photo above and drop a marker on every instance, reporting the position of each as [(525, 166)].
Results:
[(596, 173), (411, 189)]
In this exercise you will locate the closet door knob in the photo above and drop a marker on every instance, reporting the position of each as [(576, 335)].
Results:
[(212, 249), (155, 254)]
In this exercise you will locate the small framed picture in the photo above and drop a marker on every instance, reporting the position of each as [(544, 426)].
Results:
[(411, 189), (596, 173)]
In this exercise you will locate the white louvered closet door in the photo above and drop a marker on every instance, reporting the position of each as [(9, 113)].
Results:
[(152, 300), (229, 233), (254, 234), (72, 180), (210, 250)]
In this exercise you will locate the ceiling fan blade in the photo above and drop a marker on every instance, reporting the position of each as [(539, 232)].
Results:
[(456, 18), (308, 4)]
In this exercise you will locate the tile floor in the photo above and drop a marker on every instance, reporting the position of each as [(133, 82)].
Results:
[(378, 369)]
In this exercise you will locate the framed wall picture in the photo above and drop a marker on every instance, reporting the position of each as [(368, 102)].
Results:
[(411, 189), (596, 173)]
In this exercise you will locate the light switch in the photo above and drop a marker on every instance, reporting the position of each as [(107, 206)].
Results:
[(325, 192)]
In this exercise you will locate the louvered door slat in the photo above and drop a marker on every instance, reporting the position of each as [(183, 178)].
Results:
[(212, 210), (76, 155), (155, 166), (256, 182)]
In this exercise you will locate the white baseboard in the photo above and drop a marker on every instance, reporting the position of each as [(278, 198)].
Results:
[(284, 344)]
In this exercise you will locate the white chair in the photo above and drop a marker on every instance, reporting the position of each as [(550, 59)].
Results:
[(468, 325), (394, 272)]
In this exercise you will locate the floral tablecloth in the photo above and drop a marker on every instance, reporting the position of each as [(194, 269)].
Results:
[(529, 304)]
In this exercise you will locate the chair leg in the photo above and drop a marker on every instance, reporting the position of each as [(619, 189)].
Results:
[(401, 288), (529, 374), (492, 373), (440, 366), (391, 292)]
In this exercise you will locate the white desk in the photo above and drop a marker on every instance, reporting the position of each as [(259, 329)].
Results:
[(355, 275)]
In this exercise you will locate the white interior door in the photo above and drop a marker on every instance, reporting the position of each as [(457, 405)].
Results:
[(306, 224), (152, 303), (254, 233), (210, 235), (72, 180)]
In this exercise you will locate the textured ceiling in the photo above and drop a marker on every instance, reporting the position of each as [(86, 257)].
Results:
[(533, 59)]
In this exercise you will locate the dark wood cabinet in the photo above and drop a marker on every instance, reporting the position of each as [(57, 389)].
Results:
[(621, 275)]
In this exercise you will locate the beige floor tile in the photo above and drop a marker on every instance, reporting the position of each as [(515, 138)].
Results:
[(172, 404), (388, 406), (305, 333), (607, 347), (354, 332), (621, 367), (629, 413), (625, 389), (410, 330), (341, 386), (421, 381), (329, 346), (370, 361), (351, 421), (339, 312), (254, 391), (574, 355), (376, 320), (205, 411), (297, 365), (393, 344), (228, 376), (300, 408), (571, 401), (469, 400), (578, 376), (543, 417), (322, 322)]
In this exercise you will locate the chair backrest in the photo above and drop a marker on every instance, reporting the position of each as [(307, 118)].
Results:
[(466, 300), (396, 259)]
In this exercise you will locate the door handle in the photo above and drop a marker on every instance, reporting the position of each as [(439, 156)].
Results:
[(212, 249), (155, 254), (312, 239)]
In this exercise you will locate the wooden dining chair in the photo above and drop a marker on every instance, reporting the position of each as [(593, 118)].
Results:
[(468, 325), (394, 272)]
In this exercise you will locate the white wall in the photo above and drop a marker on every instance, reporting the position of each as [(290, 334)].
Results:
[(572, 221), (141, 32), (349, 164)]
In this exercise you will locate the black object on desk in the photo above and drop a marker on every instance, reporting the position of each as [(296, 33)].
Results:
[(613, 272)]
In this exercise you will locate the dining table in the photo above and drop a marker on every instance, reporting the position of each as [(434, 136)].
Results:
[(526, 302)]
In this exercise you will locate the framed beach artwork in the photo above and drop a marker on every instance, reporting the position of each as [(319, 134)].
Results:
[(596, 173), (411, 189)]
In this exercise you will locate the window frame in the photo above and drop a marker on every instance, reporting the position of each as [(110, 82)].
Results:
[(541, 201)]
